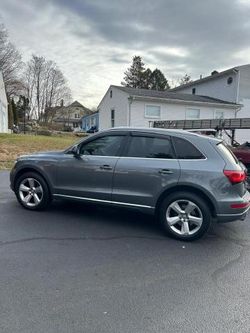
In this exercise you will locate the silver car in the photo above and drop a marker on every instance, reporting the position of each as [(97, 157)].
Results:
[(186, 179)]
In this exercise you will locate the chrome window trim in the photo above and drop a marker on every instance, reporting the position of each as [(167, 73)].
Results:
[(146, 158), (164, 159), (86, 156)]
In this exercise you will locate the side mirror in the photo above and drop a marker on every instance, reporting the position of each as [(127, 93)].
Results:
[(76, 151)]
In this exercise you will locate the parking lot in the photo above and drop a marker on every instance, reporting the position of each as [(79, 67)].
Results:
[(82, 268)]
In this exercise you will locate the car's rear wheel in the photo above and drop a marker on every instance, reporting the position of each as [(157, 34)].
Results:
[(185, 216), (32, 191)]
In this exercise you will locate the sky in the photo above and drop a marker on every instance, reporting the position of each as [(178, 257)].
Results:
[(93, 41)]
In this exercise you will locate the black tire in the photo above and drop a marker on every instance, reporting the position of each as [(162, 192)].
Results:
[(202, 213), (44, 196)]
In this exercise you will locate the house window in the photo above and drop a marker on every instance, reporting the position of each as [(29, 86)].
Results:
[(230, 80), (218, 114), (152, 111), (193, 91), (112, 118), (111, 94), (192, 113), (77, 115)]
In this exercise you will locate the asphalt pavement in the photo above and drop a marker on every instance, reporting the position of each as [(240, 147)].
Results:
[(82, 268)]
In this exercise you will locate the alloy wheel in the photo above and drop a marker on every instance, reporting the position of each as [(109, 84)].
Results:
[(30, 192), (184, 217)]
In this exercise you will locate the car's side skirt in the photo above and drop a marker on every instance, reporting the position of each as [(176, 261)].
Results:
[(102, 201)]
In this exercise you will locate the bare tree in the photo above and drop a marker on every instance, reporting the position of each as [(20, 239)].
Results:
[(185, 79), (46, 86), (10, 63)]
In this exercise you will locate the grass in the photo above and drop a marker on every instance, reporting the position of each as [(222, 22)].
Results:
[(14, 145)]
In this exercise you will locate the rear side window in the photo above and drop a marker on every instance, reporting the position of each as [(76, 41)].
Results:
[(150, 147), (186, 150), (227, 153)]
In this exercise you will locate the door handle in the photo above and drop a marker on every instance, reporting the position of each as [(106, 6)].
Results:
[(105, 167), (166, 172)]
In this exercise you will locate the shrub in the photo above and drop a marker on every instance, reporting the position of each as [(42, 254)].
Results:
[(44, 132)]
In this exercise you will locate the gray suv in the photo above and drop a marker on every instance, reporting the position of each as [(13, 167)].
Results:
[(186, 179)]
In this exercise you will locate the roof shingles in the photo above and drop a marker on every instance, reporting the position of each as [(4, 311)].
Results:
[(171, 95)]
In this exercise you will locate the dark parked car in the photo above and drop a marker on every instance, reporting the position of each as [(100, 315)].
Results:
[(92, 129), (186, 179), (242, 152)]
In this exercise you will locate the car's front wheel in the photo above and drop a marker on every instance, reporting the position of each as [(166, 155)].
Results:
[(185, 216), (32, 191)]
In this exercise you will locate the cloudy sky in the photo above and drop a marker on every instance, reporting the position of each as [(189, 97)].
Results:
[(93, 41)]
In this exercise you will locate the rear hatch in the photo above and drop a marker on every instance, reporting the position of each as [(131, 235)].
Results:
[(234, 170)]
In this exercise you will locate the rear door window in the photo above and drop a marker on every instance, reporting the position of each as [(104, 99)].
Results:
[(150, 147)]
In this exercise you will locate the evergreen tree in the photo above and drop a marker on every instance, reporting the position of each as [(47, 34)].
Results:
[(10, 115), (158, 81), (138, 77), (146, 78), (22, 107), (134, 75), (14, 110)]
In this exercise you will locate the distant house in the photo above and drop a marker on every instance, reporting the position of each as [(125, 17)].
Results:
[(3, 107), (68, 116), (90, 120), (124, 106), (232, 85)]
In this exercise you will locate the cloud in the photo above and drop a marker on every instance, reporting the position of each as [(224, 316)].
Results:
[(93, 41)]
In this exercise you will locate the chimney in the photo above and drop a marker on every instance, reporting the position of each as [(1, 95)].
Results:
[(200, 76), (61, 103)]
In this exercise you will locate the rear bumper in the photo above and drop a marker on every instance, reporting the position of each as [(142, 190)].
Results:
[(223, 218), (235, 214)]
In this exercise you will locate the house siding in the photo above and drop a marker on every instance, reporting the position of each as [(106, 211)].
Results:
[(216, 88), (90, 120), (238, 92), (170, 111), (3, 107), (118, 102), (244, 92)]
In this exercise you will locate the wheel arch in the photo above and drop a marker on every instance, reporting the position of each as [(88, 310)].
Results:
[(35, 170), (187, 188)]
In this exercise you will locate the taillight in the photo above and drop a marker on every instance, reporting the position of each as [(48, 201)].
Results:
[(235, 177), (240, 205)]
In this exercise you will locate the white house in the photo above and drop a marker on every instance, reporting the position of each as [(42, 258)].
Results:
[(231, 85), (124, 106), (3, 107)]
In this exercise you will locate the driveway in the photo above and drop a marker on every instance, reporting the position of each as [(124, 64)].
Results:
[(80, 268)]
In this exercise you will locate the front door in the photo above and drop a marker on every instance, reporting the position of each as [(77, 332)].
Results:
[(90, 175)]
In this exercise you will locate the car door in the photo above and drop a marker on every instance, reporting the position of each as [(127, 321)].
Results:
[(147, 168), (89, 175)]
